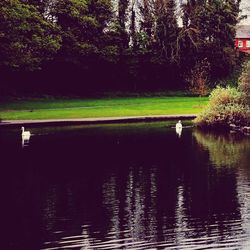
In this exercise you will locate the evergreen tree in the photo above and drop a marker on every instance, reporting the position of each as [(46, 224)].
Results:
[(147, 24), (39, 4), (83, 23), (133, 26), (122, 20), (26, 38), (209, 32), (166, 28), (45, 7)]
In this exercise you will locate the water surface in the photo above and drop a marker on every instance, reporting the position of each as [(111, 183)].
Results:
[(136, 186)]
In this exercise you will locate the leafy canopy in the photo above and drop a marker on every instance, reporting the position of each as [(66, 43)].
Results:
[(26, 38)]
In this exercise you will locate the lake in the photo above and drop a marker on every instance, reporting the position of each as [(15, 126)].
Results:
[(124, 186)]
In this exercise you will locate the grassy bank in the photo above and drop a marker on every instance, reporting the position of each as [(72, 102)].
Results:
[(105, 107)]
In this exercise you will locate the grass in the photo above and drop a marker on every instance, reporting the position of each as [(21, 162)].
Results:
[(104, 107)]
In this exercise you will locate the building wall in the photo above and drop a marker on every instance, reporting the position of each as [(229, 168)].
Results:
[(243, 44)]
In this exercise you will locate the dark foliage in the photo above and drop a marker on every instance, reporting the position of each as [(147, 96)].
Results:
[(83, 46)]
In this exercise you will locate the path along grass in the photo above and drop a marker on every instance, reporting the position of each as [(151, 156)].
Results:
[(94, 108)]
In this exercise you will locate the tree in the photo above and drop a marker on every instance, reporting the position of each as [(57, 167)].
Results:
[(159, 24), (26, 38), (83, 24), (214, 24), (166, 28), (41, 5), (122, 19), (133, 33), (147, 23)]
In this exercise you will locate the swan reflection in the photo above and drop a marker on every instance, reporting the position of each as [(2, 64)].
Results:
[(178, 132), (25, 141)]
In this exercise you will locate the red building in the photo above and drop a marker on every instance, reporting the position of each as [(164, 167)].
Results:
[(242, 39)]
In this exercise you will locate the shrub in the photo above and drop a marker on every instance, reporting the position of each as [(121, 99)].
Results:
[(226, 106), (199, 78), (244, 83)]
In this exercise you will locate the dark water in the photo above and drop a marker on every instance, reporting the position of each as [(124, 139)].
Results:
[(124, 187)]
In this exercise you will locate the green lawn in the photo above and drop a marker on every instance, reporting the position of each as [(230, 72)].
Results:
[(105, 107)]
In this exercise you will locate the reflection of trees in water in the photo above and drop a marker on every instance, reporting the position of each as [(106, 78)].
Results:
[(146, 189), (131, 202), (224, 150), (134, 205), (160, 194), (232, 150), (111, 203)]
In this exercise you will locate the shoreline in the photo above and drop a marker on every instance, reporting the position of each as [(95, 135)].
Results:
[(100, 120)]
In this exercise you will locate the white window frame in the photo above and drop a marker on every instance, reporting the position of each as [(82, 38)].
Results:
[(248, 43), (240, 44)]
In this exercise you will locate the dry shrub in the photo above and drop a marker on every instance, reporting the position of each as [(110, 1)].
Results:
[(199, 77)]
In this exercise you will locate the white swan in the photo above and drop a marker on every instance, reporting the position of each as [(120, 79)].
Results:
[(25, 133), (178, 128), (178, 125), (25, 137)]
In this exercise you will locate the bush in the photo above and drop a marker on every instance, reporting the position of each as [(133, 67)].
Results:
[(244, 83), (199, 78), (226, 106)]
